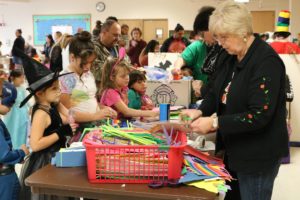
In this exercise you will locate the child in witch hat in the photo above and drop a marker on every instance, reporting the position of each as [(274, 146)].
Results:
[(49, 125), (9, 183)]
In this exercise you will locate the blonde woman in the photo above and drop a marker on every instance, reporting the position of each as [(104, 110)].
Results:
[(249, 99), (56, 58)]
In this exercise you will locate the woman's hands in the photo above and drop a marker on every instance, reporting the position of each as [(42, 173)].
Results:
[(189, 115), (203, 125), (196, 122)]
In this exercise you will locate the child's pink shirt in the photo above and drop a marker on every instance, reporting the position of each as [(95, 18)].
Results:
[(111, 96)]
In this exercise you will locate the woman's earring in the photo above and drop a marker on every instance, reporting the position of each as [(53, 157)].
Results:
[(245, 39)]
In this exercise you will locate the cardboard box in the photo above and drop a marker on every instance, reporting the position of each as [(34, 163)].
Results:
[(176, 92), (70, 158)]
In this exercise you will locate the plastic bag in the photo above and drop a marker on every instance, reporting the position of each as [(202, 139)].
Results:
[(156, 74)]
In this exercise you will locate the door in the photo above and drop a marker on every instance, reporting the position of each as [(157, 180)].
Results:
[(132, 23), (263, 21), (151, 28), (156, 29)]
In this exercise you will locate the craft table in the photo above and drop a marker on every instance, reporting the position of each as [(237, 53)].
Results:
[(73, 182)]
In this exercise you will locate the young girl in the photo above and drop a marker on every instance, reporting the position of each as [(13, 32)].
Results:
[(17, 120), (79, 88), (48, 129), (136, 94), (114, 87), (152, 46)]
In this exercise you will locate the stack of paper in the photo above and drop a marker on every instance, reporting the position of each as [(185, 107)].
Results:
[(204, 171)]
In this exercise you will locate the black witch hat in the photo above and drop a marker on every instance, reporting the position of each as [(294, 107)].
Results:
[(37, 75)]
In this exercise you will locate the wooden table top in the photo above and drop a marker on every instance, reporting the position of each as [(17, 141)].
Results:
[(73, 182)]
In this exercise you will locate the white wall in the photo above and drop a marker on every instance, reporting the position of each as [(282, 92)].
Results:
[(18, 13), (295, 17), (292, 65)]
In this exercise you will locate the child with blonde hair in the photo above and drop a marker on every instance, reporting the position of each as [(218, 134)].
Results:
[(114, 88)]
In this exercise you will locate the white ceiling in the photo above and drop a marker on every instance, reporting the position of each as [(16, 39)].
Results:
[(15, 0)]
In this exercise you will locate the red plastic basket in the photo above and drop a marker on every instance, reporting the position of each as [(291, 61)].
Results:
[(134, 163)]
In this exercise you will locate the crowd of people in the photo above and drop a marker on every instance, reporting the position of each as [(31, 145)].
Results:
[(91, 77)]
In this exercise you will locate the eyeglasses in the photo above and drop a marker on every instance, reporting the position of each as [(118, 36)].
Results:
[(221, 38)]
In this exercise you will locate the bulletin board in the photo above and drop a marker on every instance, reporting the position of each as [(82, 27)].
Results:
[(49, 24)]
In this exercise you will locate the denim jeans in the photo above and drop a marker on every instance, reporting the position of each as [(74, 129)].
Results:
[(17, 60), (9, 187), (259, 185)]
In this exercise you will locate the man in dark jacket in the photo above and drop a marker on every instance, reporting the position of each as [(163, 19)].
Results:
[(19, 43), (106, 46)]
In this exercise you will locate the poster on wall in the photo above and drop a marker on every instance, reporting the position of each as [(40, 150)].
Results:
[(44, 25)]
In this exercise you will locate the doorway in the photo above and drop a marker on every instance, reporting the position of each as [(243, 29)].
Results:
[(151, 28), (263, 21)]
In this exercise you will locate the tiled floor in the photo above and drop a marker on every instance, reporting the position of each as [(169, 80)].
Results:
[(287, 183)]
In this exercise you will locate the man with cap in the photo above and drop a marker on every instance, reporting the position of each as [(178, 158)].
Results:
[(9, 183), (281, 44)]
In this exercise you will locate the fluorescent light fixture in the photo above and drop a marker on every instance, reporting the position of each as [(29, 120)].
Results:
[(242, 1)]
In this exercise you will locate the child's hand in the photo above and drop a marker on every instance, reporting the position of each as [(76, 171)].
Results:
[(106, 112), (73, 126), (176, 73), (154, 113), (147, 107), (25, 149)]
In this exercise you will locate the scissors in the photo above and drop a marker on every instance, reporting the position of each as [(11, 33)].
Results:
[(173, 183)]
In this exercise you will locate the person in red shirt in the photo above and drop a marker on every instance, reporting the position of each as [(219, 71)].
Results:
[(136, 45), (281, 44), (177, 42)]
